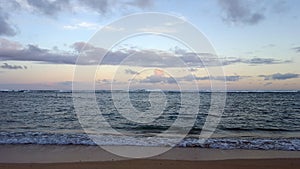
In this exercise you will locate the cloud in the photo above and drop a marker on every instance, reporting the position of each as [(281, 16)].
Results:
[(241, 12), (158, 79), (268, 84), (229, 78), (106, 6), (49, 7), (15, 67), (170, 80), (14, 51), (82, 25), (264, 61), (193, 69), (279, 6), (9, 45), (131, 72), (141, 4), (254, 61), (279, 76), (108, 82), (6, 27), (161, 29), (52, 8), (65, 83), (218, 78), (297, 49), (79, 46), (96, 5)]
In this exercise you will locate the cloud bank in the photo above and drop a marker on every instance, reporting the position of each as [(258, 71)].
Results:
[(14, 51)]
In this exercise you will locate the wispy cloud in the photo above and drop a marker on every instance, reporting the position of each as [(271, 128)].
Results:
[(82, 25), (279, 76), (161, 29)]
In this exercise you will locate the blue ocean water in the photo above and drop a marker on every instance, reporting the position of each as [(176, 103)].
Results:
[(251, 120)]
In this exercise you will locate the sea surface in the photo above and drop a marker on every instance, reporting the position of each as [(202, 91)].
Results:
[(250, 120)]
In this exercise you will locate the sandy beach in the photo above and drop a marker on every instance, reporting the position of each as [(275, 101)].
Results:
[(79, 157), (167, 164)]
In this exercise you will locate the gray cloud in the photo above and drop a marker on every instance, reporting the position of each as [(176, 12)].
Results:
[(15, 52), (100, 6), (131, 72), (279, 76), (6, 27), (65, 83), (10, 51), (297, 49), (141, 3), (188, 78), (80, 46), (268, 84), (53, 7), (49, 7), (218, 78), (193, 69), (241, 11), (7, 66), (230, 78), (254, 61), (158, 79), (210, 59), (108, 81), (105, 6)]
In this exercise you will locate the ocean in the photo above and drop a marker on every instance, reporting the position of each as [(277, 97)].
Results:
[(251, 120)]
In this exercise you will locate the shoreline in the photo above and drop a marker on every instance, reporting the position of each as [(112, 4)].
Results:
[(82, 157), (30, 153)]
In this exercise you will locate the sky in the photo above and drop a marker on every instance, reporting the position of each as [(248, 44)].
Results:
[(256, 43)]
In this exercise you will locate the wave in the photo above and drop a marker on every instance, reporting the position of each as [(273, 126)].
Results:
[(288, 144), (257, 129)]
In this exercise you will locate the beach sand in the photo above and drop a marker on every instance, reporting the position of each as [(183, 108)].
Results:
[(167, 164), (85, 157)]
